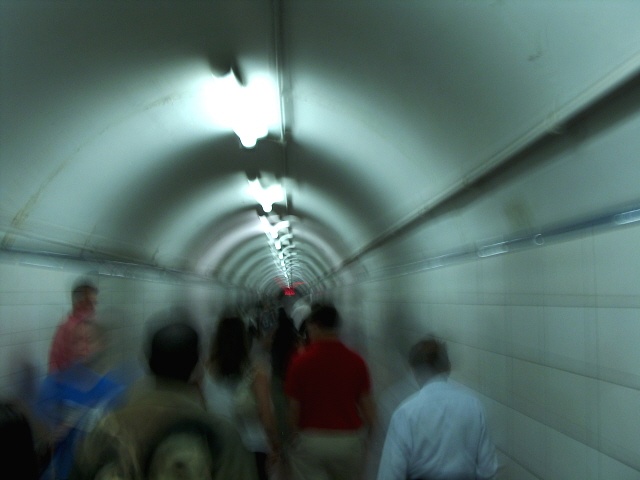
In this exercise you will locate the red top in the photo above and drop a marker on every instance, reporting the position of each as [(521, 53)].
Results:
[(328, 380), (70, 342)]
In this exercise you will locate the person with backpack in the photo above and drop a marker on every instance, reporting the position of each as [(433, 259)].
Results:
[(164, 428)]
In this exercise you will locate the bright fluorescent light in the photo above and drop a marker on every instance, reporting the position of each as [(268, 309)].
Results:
[(281, 225), (266, 197), (250, 111), (265, 224), (272, 229), (286, 239)]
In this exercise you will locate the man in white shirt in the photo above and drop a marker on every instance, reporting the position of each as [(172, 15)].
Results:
[(440, 432)]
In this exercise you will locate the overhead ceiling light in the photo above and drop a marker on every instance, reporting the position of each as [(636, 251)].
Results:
[(250, 111), (281, 225), (272, 230), (266, 197)]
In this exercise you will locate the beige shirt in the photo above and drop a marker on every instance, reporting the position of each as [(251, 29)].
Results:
[(130, 433)]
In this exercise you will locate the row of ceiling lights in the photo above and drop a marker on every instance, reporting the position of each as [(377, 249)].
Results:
[(251, 110), (278, 231)]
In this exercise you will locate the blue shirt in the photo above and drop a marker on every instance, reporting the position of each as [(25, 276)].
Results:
[(74, 399)]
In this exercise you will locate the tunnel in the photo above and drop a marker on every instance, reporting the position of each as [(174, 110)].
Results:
[(463, 169)]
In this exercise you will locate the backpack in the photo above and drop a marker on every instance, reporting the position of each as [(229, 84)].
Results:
[(186, 450)]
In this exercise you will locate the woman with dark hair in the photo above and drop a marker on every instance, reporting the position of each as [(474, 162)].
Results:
[(17, 448), (229, 352), (284, 345), (238, 388)]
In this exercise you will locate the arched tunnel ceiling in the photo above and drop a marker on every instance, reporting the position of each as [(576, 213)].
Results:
[(108, 148)]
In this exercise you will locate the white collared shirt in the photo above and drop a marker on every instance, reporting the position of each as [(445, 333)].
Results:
[(438, 433)]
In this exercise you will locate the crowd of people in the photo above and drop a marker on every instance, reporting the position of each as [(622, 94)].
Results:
[(277, 395)]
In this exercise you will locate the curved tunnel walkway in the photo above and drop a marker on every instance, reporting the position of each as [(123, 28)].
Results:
[(462, 169)]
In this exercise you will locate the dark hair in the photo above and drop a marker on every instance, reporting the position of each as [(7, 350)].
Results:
[(430, 353), (16, 442), (303, 333), (324, 316), (229, 353), (283, 345), (174, 351), (81, 288)]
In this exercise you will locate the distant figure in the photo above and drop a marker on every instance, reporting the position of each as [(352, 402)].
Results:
[(238, 387), (300, 312), (440, 432), (69, 341), (329, 392), (71, 401), (163, 431), (17, 451), (285, 344)]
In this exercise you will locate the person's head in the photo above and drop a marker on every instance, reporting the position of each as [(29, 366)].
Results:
[(17, 442), (283, 345), (174, 351), (303, 333), (266, 326), (229, 352), (89, 342), (323, 321), (84, 296), (428, 358)]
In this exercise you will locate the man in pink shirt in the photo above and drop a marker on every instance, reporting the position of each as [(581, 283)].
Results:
[(71, 341)]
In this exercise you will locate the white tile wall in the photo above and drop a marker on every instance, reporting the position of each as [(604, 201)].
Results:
[(570, 402), (617, 350), (567, 459), (527, 445), (617, 264), (570, 338), (511, 469), (526, 332), (610, 468), (619, 415), (551, 347)]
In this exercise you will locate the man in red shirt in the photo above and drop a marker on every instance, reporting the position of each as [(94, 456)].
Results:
[(71, 341), (329, 391)]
